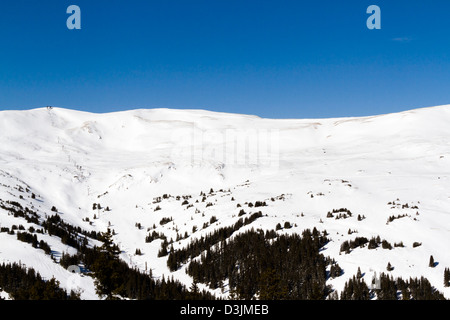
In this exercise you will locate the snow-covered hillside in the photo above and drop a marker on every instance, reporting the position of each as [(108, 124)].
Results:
[(145, 165)]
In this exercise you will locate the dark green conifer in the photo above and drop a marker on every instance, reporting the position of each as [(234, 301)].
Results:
[(431, 263), (106, 268), (446, 277)]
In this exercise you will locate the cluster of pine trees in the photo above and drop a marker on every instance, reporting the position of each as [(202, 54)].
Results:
[(115, 279), (388, 288), (53, 225), (69, 234), (178, 257), (17, 210), (373, 243), (27, 284), (258, 265), (355, 289), (343, 213), (32, 238)]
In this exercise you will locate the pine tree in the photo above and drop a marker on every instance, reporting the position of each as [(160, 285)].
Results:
[(270, 286), (355, 289), (163, 251), (431, 264), (106, 268), (194, 290), (317, 292), (372, 244), (447, 277), (333, 295), (358, 274), (335, 270), (345, 247), (406, 295)]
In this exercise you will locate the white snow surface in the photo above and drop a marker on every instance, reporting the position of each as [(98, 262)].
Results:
[(301, 168)]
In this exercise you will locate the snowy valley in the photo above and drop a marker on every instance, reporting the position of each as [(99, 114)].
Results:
[(377, 187)]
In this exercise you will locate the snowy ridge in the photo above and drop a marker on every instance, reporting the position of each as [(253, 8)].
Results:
[(394, 165)]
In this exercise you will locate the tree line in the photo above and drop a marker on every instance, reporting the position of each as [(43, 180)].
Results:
[(27, 284), (388, 288), (256, 264), (115, 279), (267, 266), (195, 247)]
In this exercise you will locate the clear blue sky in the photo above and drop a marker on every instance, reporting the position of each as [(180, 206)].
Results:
[(272, 58)]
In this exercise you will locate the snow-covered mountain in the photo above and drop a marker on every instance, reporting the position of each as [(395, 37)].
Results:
[(393, 171)]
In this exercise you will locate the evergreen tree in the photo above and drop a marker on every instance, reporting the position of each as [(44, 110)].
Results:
[(355, 289), (194, 290), (113, 277), (258, 264), (389, 267), (388, 288), (27, 284), (431, 264), (345, 247), (163, 251), (406, 294), (358, 274), (446, 277), (270, 286), (335, 270), (373, 244), (106, 268)]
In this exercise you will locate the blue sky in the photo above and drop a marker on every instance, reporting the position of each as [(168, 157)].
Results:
[(276, 59)]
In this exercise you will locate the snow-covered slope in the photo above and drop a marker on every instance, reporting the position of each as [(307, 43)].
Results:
[(377, 167)]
